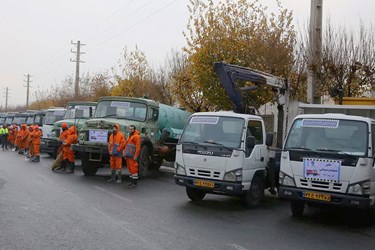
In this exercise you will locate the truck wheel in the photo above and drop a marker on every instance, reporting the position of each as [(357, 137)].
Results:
[(195, 194), (254, 196), (89, 168), (143, 162), (156, 163), (297, 208)]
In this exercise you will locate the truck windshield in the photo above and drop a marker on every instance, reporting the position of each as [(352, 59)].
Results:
[(19, 120), (80, 111), (345, 136), (214, 130), (53, 116), (30, 120), (121, 109), (2, 120), (39, 119), (9, 120)]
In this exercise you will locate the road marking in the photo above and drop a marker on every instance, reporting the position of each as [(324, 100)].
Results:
[(238, 247), (113, 194)]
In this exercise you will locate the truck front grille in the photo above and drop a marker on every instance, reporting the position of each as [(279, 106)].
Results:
[(214, 174), (321, 185)]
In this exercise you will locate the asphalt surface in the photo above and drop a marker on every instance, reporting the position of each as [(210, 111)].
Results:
[(41, 209)]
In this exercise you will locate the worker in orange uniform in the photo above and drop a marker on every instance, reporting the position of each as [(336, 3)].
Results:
[(29, 143), (16, 131), (132, 150), (116, 145), (63, 136), (11, 137), (17, 141), (68, 153), (23, 134), (36, 144)]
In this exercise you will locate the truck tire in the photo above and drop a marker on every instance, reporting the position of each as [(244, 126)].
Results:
[(195, 194), (297, 208), (254, 196), (156, 163), (143, 162), (89, 168)]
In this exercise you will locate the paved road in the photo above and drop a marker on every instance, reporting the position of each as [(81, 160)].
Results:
[(40, 209)]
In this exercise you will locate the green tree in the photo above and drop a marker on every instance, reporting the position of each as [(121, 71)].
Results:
[(241, 33)]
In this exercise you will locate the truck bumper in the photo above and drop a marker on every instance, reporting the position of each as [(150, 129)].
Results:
[(46, 146), (293, 193), (90, 149), (220, 187)]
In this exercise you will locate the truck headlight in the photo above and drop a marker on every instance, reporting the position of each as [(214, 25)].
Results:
[(235, 175), (180, 170), (286, 180), (361, 188), (82, 136), (355, 189)]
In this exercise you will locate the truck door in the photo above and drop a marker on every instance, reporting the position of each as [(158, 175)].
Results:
[(255, 157)]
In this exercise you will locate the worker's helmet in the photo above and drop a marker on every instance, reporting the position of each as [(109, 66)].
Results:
[(36, 127), (64, 125)]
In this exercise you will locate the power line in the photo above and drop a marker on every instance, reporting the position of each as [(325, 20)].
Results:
[(121, 20), (132, 26), (59, 55), (106, 18)]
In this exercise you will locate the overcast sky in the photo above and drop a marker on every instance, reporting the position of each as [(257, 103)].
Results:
[(36, 35)]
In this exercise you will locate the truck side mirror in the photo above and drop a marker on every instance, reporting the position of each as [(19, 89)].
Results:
[(250, 142), (269, 139), (90, 112)]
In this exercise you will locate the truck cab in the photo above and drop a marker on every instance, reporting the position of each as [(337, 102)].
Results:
[(224, 153), (20, 118), (328, 159), (3, 117), (77, 113), (160, 127), (52, 115)]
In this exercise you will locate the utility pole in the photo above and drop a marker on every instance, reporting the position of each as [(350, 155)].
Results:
[(28, 89), (77, 61), (315, 35), (6, 98)]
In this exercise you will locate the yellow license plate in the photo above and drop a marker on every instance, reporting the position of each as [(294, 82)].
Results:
[(316, 196), (202, 183)]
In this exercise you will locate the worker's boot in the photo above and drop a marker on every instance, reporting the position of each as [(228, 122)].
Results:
[(36, 158), (70, 168), (133, 183), (113, 176), (119, 176)]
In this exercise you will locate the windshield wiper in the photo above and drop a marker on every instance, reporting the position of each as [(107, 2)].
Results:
[(304, 149), (336, 151), (219, 144), (111, 115), (194, 143)]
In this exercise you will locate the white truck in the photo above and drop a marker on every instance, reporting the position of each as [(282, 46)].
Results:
[(225, 153), (328, 159), (52, 115), (229, 152)]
